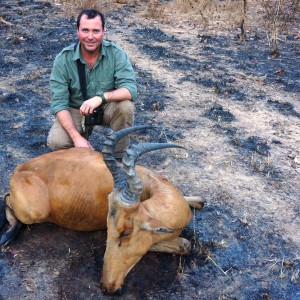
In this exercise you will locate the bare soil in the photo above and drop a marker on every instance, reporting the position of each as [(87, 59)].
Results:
[(232, 105)]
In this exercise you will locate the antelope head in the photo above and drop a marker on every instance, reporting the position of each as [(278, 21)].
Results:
[(142, 208)]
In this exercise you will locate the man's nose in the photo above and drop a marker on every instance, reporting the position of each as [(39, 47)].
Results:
[(90, 35)]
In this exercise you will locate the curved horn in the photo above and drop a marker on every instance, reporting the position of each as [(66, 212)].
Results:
[(109, 145), (131, 194), (123, 132)]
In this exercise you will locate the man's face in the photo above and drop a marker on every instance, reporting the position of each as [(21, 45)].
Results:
[(90, 33)]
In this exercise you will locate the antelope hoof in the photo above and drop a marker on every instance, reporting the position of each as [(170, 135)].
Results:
[(185, 247), (195, 201), (15, 226), (11, 233)]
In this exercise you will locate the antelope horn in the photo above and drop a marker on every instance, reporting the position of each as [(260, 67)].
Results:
[(131, 194), (108, 152)]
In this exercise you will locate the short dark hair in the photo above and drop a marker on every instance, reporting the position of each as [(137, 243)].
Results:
[(91, 14)]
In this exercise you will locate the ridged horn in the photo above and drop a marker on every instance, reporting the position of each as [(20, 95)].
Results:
[(112, 138), (131, 194)]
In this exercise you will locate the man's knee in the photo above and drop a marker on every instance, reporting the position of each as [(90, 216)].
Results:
[(58, 138), (119, 115), (125, 108), (55, 143)]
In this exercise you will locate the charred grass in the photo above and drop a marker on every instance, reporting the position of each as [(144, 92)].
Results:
[(242, 246)]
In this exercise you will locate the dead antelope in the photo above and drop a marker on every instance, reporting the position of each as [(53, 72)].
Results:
[(85, 190)]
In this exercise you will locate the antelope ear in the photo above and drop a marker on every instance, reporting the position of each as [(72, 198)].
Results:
[(156, 226)]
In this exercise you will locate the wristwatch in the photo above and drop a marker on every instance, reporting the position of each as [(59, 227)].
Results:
[(101, 95)]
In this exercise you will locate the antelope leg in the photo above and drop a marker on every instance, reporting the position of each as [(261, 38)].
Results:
[(178, 246), (2, 216), (195, 201)]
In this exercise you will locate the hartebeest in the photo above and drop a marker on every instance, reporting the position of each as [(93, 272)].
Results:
[(85, 190)]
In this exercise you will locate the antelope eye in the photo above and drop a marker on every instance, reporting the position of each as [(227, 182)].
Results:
[(125, 233)]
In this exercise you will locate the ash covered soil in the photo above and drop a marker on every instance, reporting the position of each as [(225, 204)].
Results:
[(234, 108)]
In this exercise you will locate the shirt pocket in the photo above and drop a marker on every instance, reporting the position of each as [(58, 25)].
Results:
[(105, 80)]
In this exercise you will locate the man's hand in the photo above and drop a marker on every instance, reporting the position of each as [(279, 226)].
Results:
[(90, 105), (82, 142)]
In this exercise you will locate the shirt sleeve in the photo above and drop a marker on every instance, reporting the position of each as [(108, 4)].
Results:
[(124, 74), (59, 87)]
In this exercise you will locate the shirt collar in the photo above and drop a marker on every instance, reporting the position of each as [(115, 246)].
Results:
[(77, 54)]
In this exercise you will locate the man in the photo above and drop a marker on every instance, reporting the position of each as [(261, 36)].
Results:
[(110, 83)]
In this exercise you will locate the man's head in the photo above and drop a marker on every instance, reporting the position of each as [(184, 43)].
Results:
[(90, 30), (91, 14)]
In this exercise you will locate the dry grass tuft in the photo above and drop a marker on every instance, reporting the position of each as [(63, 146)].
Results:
[(152, 9), (279, 15), (181, 269), (155, 10), (295, 276), (73, 7), (284, 268), (212, 14), (218, 267), (274, 16), (5, 22)]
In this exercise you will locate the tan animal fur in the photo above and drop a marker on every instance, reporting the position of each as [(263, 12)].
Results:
[(74, 189)]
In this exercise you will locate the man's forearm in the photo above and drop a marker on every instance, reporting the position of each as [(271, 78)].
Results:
[(65, 119), (117, 95), (120, 94)]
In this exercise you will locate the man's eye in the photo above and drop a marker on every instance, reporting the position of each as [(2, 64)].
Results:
[(97, 31)]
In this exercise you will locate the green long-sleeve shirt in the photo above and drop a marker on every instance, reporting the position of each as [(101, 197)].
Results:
[(112, 70)]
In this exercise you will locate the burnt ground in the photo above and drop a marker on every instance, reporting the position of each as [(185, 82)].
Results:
[(233, 106)]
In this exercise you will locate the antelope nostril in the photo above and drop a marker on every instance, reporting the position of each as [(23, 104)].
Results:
[(118, 292), (105, 291), (103, 288)]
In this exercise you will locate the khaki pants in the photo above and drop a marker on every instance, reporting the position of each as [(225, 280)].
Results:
[(117, 115)]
